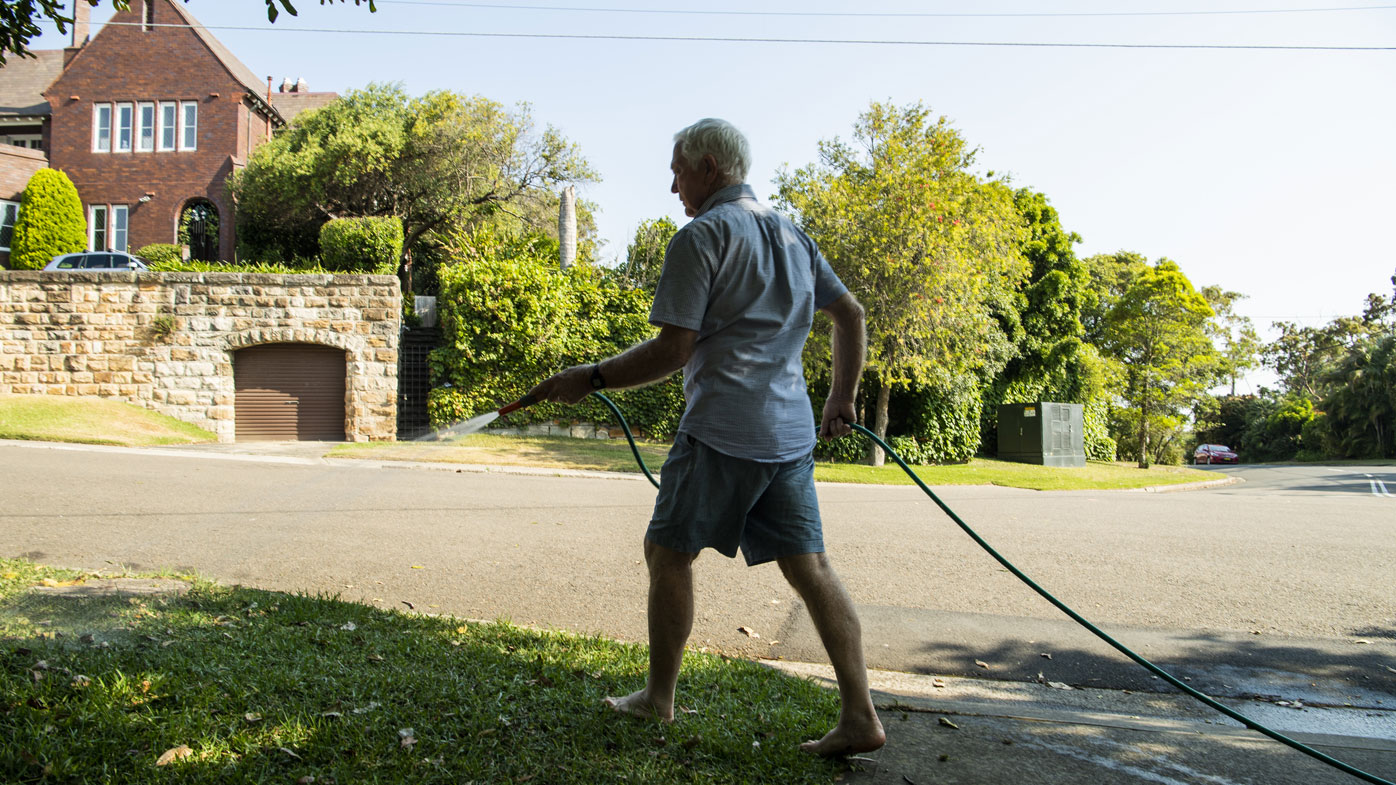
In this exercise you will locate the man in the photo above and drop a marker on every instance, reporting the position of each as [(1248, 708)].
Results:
[(734, 305)]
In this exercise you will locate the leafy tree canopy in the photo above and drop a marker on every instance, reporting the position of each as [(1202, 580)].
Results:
[(644, 257), (20, 20), (50, 221), (928, 247), (436, 162)]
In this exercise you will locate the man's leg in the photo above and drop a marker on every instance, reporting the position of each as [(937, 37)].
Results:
[(831, 609), (670, 621)]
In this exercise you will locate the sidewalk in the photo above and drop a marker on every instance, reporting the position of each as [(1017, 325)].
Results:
[(952, 731)]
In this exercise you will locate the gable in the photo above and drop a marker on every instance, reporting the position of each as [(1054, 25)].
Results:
[(176, 56)]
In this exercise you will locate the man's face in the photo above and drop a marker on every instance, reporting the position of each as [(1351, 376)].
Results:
[(693, 184)]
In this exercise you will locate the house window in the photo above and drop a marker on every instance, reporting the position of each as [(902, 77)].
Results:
[(169, 124), (145, 127), (9, 211), (31, 141), (119, 215), (189, 125), (101, 128), (97, 227), (125, 116)]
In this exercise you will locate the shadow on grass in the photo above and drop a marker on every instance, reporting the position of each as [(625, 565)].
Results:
[(263, 686)]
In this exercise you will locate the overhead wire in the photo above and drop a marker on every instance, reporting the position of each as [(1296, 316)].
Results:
[(775, 40), (884, 14)]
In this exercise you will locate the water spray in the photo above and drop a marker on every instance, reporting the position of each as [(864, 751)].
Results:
[(478, 422)]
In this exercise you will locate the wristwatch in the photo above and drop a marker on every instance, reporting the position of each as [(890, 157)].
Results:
[(598, 382)]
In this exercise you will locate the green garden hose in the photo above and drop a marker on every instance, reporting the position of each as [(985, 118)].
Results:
[(1063, 607)]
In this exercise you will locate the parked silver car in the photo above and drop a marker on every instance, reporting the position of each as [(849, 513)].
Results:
[(97, 260)]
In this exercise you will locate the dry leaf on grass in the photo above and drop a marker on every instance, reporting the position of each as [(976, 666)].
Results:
[(407, 739), (173, 754)]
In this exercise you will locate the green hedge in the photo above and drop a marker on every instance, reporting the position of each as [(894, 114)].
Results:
[(510, 318), (371, 245), (161, 253), (50, 221)]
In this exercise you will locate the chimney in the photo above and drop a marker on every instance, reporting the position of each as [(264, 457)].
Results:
[(301, 86), (82, 22), (286, 85), (82, 27)]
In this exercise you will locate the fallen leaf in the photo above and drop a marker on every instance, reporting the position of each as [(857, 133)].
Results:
[(982, 664), (1388, 667), (252, 716), (407, 737), (331, 715), (937, 683), (348, 626), (289, 752), (375, 658), (409, 605), (461, 630), (749, 632), (418, 567), (173, 754), (1046, 656), (81, 681), (947, 723), (306, 780), (367, 708), (1058, 685), (1362, 642)]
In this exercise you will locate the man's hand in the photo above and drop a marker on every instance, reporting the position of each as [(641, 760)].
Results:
[(569, 386), (838, 419)]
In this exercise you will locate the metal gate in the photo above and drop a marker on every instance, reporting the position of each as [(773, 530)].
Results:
[(414, 380), (289, 392)]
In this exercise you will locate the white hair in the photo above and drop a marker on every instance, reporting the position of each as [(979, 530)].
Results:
[(721, 140)]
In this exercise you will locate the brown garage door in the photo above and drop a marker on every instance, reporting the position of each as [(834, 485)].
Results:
[(288, 392)]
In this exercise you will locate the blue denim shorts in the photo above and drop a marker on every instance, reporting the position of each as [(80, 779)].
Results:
[(711, 500)]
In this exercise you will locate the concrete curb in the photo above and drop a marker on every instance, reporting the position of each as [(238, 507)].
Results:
[(1189, 486)]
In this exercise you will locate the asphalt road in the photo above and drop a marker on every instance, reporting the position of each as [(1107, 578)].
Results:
[(1279, 586)]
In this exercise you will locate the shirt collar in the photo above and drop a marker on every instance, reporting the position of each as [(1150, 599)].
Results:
[(730, 193)]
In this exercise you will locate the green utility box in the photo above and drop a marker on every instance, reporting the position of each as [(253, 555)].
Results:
[(1049, 434)]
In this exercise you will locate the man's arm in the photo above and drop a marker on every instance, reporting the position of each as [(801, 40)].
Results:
[(637, 366), (850, 347)]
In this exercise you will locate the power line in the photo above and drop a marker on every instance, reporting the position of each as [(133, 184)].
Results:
[(768, 40), (892, 14)]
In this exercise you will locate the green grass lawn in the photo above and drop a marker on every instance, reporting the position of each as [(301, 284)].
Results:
[(614, 455), (59, 418), (240, 685)]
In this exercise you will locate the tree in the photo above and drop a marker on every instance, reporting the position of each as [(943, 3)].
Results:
[(922, 242), (1157, 330), (435, 162), (50, 221), (1238, 343), (644, 257), (20, 19)]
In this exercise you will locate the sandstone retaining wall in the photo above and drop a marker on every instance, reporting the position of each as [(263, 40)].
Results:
[(166, 340)]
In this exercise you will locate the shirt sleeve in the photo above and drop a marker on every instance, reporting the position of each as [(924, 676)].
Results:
[(681, 297), (827, 286)]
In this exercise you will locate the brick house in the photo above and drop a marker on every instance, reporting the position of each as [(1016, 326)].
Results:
[(149, 118)]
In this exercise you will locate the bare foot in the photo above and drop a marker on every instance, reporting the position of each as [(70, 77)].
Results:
[(638, 704), (848, 738)]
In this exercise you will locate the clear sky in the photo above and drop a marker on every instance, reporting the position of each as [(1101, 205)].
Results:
[(1268, 172)]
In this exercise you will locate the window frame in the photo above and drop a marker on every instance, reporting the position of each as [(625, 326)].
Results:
[(124, 127), (96, 228), (145, 131), (120, 227), (188, 133), (9, 214), (99, 145), (168, 125)]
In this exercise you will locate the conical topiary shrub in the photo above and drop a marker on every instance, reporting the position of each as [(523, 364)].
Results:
[(50, 221)]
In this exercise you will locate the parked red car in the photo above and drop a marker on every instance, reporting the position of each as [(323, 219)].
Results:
[(1214, 453)]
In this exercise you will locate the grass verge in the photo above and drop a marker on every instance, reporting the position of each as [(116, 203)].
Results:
[(225, 684), (615, 456), (56, 418)]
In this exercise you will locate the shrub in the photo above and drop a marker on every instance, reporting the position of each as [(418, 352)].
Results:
[(510, 318), (161, 253), (50, 221), (371, 245)]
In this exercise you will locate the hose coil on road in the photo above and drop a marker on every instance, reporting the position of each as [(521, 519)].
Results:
[(1063, 607)]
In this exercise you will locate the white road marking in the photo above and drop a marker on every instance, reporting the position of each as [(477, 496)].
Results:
[(1376, 484)]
